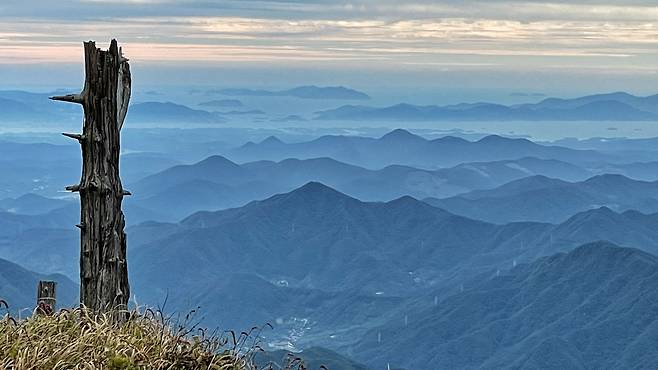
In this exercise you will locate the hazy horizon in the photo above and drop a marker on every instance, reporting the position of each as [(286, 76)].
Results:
[(423, 50)]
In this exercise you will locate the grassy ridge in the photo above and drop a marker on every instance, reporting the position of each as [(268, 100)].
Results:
[(72, 340)]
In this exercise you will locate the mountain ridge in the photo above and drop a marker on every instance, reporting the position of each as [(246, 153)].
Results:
[(601, 107), (554, 313), (240, 183), (402, 147), (542, 199)]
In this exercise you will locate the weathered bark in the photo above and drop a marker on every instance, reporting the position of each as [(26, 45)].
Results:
[(103, 268)]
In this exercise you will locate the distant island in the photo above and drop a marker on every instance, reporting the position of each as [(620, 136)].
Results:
[(303, 92), (603, 107), (32, 108)]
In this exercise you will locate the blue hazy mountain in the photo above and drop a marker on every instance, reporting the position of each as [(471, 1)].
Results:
[(404, 148), (136, 166), (528, 165), (49, 242), (243, 112), (31, 204), (12, 110), (46, 169), (647, 171), (37, 152), (192, 196), (543, 199), (648, 103), (242, 300), (213, 168), (303, 92), (18, 287), (323, 253), (606, 107), (219, 183), (12, 223), (46, 242), (156, 112), (316, 238), (316, 255), (289, 118), (222, 103), (612, 144), (342, 222), (35, 109), (38, 168), (592, 308), (313, 358), (315, 221), (47, 250), (53, 248)]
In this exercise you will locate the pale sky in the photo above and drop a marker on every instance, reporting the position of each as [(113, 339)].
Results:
[(567, 46)]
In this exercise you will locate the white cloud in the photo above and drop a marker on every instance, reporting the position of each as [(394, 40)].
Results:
[(467, 34), (250, 39)]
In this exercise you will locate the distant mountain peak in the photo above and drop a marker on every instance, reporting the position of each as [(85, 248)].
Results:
[(272, 140), (400, 134), (609, 178), (215, 160), (407, 199), (313, 193), (597, 251), (500, 139), (605, 209), (449, 139), (315, 187), (616, 94), (600, 214), (493, 137)]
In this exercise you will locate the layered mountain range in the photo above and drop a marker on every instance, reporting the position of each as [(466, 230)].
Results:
[(37, 111), (604, 107), (543, 199), (590, 308), (218, 183), (401, 147), (395, 251)]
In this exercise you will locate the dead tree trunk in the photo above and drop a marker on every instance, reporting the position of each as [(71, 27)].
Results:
[(103, 268)]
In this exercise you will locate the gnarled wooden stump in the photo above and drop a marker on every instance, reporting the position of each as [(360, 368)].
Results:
[(46, 297), (103, 268)]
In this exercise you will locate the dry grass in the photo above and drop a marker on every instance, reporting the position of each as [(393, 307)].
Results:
[(72, 340)]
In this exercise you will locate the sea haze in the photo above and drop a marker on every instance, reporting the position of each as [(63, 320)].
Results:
[(339, 108)]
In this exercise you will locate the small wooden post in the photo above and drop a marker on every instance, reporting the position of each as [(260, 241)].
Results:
[(46, 297)]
